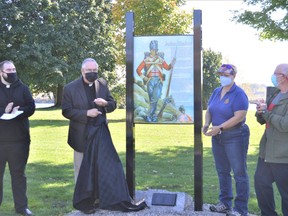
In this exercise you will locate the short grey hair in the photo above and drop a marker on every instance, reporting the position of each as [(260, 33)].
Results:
[(283, 68), (5, 62), (88, 60)]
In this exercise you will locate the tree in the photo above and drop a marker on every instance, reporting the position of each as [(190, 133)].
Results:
[(211, 63), (47, 40), (152, 17), (264, 21)]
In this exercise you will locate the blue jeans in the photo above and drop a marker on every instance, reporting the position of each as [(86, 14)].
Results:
[(265, 175), (154, 88), (230, 152)]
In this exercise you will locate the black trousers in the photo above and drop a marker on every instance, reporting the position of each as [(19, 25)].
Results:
[(265, 175), (16, 155)]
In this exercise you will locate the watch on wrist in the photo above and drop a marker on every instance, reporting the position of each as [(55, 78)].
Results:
[(220, 131)]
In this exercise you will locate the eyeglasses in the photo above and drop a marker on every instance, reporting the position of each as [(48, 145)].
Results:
[(278, 74)]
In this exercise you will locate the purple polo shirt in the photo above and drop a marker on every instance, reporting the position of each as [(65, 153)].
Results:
[(222, 110)]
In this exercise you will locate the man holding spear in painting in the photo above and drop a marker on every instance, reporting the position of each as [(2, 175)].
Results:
[(153, 65)]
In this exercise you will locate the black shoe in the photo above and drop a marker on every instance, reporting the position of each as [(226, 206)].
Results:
[(89, 211), (129, 207), (25, 212)]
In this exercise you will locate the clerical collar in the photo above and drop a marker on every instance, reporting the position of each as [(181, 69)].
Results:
[(88, 84)]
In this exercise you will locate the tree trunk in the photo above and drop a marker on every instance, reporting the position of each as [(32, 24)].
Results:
[(58, 95)]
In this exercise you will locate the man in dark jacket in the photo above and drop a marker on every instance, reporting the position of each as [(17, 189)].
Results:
[(16, 105), (99, 176)]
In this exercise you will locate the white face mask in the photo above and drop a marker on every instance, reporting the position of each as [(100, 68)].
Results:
[(225, 81)]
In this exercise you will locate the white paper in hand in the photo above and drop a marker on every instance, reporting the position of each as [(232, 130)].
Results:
[(8, 116)]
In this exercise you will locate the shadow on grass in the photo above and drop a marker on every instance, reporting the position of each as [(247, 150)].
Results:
[(59, 123), (116, 120), (173, 169), (51, 187), (50, 123), (51, 108)]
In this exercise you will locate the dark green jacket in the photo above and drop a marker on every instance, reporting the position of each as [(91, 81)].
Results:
[(274, 142)]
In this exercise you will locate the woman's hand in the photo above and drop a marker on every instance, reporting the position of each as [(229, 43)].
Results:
[(212, 131), (205, 129)]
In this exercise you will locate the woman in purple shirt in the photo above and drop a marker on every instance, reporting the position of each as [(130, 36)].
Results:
[(227, 108)]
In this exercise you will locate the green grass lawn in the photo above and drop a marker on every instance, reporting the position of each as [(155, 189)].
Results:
[(164, 160)]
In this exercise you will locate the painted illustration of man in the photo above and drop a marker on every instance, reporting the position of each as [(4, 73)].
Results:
[(153, 76)]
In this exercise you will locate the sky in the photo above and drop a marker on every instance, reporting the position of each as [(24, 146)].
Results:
[(239, 44)]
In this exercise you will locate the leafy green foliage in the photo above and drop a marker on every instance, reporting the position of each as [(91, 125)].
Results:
[(211, 62), (119, 93), (152, 17), (48, 40), (263, 20)]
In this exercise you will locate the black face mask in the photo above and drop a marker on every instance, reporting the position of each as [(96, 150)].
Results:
[(11, 77), (91, 76)]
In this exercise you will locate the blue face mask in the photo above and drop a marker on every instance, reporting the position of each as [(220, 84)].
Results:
[(274, 80), (225, 81)]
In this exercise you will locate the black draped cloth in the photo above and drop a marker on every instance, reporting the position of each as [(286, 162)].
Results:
[(101, 175)]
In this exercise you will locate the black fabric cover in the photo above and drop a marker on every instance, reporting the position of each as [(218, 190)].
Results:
[(101, 175)]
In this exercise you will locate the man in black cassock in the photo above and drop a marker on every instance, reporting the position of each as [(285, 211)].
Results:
[(15, 141), (99, 176)]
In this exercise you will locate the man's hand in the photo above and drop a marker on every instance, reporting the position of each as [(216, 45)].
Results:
[(101, 102), (261, 108), (93, 112), (15, 109), (8, 108)]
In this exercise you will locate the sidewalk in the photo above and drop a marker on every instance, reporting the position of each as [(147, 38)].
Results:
[(184, 207)]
